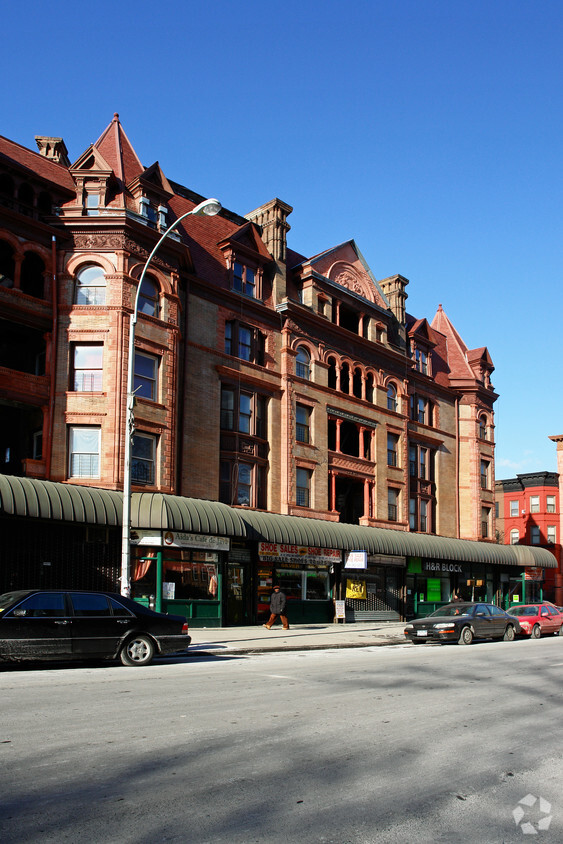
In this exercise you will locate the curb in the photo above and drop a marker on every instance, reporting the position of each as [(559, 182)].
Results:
[(284, 648)]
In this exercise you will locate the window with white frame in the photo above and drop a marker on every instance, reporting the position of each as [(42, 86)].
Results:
[(145, 382), (514, 536), (303, 487), (92, 203), (87, 367), (90, 286), (513, 509), (534, 504), (391, 397), (534, 535), (551, 534), (550, 503), (303, 363), (143, 459), (84, 452)]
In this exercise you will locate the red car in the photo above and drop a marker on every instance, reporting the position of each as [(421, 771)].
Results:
[(538, 619)]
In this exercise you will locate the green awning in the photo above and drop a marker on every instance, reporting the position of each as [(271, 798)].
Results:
[(297, 530), (61, 502), (158, 511)]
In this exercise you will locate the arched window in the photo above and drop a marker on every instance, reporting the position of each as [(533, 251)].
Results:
[(148, 298), (303, 363), (357, 383), (391, 397), (7, 185), (514, 536), (32, 275), (26, 196), (483, 427), (332, 379), (91, 286), (7, 264), (369, 387)]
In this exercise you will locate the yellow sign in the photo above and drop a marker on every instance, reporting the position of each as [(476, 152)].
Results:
[(356, 589)]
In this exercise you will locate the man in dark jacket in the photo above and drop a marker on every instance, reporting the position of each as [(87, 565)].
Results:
[(277, 607)]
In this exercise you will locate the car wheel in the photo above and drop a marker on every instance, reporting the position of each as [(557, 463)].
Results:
[(137, 651), (466, 636), (509, 634), (536, 632)]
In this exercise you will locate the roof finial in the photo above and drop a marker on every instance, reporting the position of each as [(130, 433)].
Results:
[(115, 116)]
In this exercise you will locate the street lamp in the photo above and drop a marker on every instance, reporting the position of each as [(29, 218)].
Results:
[(208, 207)]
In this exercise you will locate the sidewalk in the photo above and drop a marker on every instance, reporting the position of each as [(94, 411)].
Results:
[(227, 641)]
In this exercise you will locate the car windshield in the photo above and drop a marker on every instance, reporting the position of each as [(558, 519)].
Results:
[(528, 610), (453, 609), (9, 597)]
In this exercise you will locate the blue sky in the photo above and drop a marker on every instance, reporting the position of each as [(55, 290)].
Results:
[(427, 130)]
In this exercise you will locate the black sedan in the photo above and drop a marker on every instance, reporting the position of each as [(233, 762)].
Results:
[(463, 622), (61, 625)]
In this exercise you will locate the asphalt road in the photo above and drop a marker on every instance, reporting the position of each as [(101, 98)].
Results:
[(412, 744)]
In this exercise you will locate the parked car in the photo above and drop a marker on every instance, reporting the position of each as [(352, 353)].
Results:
[(538, 619), (463, 622), (59, 624)]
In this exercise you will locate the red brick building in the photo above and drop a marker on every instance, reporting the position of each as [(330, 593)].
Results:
[(529, 514), (265, 380)]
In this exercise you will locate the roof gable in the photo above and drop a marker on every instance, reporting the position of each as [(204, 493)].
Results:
[(346, 266)]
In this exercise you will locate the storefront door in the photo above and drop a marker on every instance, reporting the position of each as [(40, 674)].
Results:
[(237, 595)]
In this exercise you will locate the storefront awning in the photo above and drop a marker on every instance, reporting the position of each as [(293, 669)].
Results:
[(158, 511), (59, 502), (270, 527)]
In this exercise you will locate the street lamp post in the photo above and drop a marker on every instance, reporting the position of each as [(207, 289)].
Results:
[(208, 207)]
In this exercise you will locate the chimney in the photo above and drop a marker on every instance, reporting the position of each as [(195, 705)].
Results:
[(54, 149), (272, 220), (394, 289)]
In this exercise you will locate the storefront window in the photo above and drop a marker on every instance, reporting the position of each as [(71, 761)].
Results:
[(304, 585), (186, 574), (192, 573)]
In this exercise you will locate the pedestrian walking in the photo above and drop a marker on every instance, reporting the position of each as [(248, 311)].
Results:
[(278, 601)]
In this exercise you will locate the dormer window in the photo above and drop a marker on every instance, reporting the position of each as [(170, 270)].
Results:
[(92, 204), (421, 361), (244, 279), (147, 210), (162, 221)]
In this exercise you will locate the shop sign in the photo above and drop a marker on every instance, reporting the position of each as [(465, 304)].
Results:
[(356, 560), (145, 537), (533, 574), (340, 609), (356, 589), (274, 552), (173, 539), (446, 568), (168, 590)]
